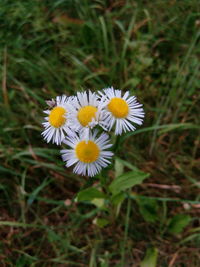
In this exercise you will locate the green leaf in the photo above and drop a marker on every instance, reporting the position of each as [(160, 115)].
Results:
[(118, 198), (178, 223), (101, 222), (98, 202), (119, 167), (89, 194), (128, 165), (117, 201), (127, 181), (148, 209), (150, 258)]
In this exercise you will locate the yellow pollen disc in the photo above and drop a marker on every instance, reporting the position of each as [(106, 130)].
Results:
[(86, 114), (118, 107), (56, 117), (87, 152)]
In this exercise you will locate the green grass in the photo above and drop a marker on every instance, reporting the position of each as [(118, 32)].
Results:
[(52, 47)]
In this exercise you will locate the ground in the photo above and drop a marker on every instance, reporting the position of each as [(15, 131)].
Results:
[(53, 47)]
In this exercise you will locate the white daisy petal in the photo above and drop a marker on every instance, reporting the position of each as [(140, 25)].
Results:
[(57, 126), (86, 113), (120, 111), (88, 155)]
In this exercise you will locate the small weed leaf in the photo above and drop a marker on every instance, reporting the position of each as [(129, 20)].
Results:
[(89, 194), (150, 258), (101, 222), (127, 181), (178, 223), (148, 209)]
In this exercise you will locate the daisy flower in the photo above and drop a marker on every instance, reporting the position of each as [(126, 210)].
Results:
[(56, 123), (86, 113), (88, 156), (121, 111)]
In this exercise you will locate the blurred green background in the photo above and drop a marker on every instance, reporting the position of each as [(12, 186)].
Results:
[(151, 48)]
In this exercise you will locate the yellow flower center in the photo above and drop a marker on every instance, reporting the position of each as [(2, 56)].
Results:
[(87, 152), (56, 117), (86, 114), (118, 107)]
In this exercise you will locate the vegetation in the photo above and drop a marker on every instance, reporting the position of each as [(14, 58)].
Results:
[(53, 47)]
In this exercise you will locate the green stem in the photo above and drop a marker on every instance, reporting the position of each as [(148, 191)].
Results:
[(116, 145), (126, 232)]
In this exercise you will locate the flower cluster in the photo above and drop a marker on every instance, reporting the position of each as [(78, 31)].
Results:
[(73, 121)]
